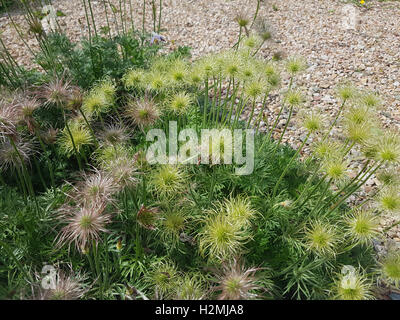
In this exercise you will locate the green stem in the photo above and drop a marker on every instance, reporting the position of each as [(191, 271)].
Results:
[(288, 165), (391, 226), (72, 141)]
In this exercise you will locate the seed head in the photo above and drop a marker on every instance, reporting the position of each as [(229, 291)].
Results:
[(263, 29), (242, 18), (295, 65), (148, 217), (236, 282), (84, 225), (9, 117), (255, 89), (312, 121), (389, 177), (57, 92), (143, 112), (133, 79), (389, 199), (69, 287), (97, 186), (252, 42), (114, 134), (191, 287), (123, 171), (327, 149), (81, 137), (321, 238), (335, 168), (353, 286), (221, 238), (346, 91), (239, 210), (164, 277), (173, 224), (179, 103), (168, 181), (294, 98), (390, 268), (362, 226)]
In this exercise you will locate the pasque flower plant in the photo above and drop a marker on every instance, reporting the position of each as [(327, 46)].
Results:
[(198, 230)]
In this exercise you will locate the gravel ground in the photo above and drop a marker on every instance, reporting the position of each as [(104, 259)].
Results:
[(369, 55)]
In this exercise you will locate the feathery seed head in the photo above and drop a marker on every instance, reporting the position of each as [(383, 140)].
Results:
[(263, 29), (389, 177), (252, 42), (66, 288), (173, 224), (294, 98), (9, 116), (239, 210), (56, 92), (321, 238), (362, 226), (221, 238), (388, 147), (352, 286), (389, 199), (370, 100), (347, 91), (327, 149), (164, 276), (123, 171), (114, 134), (11, 158), (179, 103), (236, 282), (312, 121), (133, 79), (84, 226), (98, 186), (191, 287), (143, 112), (168, 181), (335, 168), (390, 268), (295, 65), (242, 18), (148, 217), (81, 137)]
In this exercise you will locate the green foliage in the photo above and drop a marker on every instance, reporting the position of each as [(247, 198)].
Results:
[(94, 59)]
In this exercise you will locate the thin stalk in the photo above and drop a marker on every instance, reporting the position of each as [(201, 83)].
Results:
[(258, 121), (108, 21), (92, 16), (288, 165), (321, 196), (205, 102), (144, 18), (40, 173), (89, 127), (391, 226), (78, 157), (284, 129), (335, 121), (251, 113), (26, 176), (49, 165), (159, 18), (256, 13), (355, 188), (312, 191)]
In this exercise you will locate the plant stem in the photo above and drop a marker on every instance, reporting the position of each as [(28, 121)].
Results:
[(288, 165)]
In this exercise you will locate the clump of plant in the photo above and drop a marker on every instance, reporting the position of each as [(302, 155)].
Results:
[(142, 223)]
